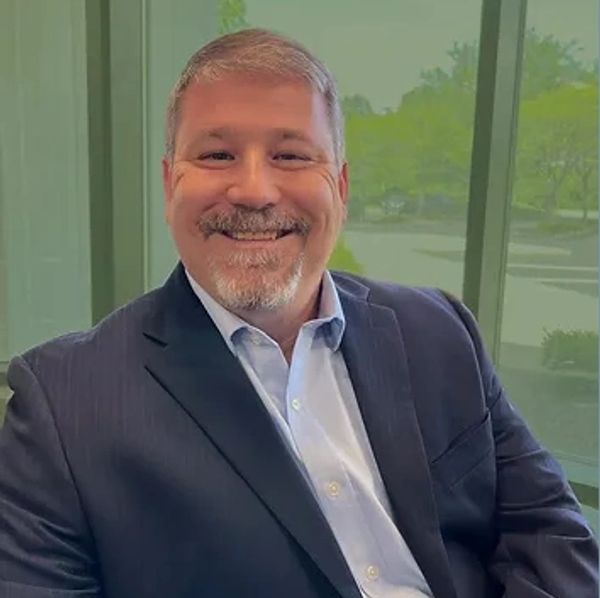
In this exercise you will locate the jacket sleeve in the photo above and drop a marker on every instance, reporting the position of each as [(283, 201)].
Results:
[(45, 544), (545, 547)]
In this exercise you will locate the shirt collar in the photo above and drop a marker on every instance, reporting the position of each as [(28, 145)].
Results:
[(331, 312), (330, 318)]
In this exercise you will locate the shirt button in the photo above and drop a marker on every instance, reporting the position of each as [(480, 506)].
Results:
[(372, 572), (333, 489), (296, 404)]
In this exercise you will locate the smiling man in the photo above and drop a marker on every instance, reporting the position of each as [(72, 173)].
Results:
[(260, 426), (256, 194)]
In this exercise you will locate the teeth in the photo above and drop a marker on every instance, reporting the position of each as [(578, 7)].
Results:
[(249, 236)]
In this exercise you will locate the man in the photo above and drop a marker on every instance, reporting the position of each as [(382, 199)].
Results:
[(259, 427)]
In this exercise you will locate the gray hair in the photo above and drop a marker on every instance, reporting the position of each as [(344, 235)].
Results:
[(258, 51)]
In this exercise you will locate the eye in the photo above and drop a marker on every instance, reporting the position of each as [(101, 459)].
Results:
[(217, 156), (288, 156)]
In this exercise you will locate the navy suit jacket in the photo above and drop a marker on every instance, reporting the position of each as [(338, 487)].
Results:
[(137, 461)]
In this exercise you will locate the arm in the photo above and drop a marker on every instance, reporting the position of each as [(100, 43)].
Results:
[(545, 547), (45, 544)]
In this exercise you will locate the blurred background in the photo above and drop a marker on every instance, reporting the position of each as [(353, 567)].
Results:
[(472, 139)]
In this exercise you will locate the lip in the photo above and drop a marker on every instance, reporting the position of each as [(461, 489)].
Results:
[(256, 244)]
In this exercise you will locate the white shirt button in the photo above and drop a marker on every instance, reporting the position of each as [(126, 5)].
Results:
[(333, 489), (372, 572), (296, 404)]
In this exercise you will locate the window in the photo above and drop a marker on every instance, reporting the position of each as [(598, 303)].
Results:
[(407, 73), (549, 350), (407, 77)]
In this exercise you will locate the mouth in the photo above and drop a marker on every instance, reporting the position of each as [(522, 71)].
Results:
[(257, 235)]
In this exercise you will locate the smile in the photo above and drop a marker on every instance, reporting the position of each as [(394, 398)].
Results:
[(256, 236)]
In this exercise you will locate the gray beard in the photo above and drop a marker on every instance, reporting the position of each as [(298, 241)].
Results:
[(268, 290)]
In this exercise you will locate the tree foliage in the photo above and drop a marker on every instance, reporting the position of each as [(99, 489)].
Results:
[(423, 146), (557, 154), (232, 16)]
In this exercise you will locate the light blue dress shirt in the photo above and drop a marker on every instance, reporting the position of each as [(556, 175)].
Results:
[(314, 407)]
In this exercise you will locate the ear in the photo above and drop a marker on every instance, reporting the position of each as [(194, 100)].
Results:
[(343, 187), (167, 179), (343, 182)]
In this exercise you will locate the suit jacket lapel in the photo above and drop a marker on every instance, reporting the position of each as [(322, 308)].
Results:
[(188, 357), (376, 361)]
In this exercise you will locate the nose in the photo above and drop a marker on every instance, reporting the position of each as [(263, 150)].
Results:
[(254, 185)]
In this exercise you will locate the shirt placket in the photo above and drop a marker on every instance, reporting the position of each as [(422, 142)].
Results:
[(331, 482)]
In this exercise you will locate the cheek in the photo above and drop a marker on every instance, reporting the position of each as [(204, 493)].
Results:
[(195, 187), (330, 192), (328, 209), (178, 209), (189, 200), (183, 215)]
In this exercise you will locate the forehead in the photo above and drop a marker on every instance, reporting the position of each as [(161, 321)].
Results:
[(245, 103)]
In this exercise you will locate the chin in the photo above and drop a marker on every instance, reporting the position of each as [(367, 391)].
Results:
[(256, 290)]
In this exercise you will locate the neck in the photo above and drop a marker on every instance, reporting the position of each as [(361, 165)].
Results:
[(283, 325)]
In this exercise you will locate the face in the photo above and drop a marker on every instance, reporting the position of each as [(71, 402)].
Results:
[(253, 196)]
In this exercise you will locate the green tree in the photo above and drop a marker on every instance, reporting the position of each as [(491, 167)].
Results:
[(437, 131), (356, 105), (232, 16), (423, 146), (462, 73), (557, 156), (375, 150), (550, 63)]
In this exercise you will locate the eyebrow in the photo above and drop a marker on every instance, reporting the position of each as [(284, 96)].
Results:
[(293, 134), (281, 133)]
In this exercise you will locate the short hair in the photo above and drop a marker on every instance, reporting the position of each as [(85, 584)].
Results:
[(261, 52)]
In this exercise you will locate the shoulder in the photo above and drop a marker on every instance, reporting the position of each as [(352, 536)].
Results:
[(430, 319), (435, 326), (408, 302), (106, 342)]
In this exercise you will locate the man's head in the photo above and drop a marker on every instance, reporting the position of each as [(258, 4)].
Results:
[(254, 173)]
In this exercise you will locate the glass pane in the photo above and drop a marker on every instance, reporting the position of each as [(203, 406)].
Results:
[(406, 72), (44, 190), (549, 352), (4, 357)]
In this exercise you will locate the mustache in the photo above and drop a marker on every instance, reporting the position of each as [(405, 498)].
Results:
[(243, 219)]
